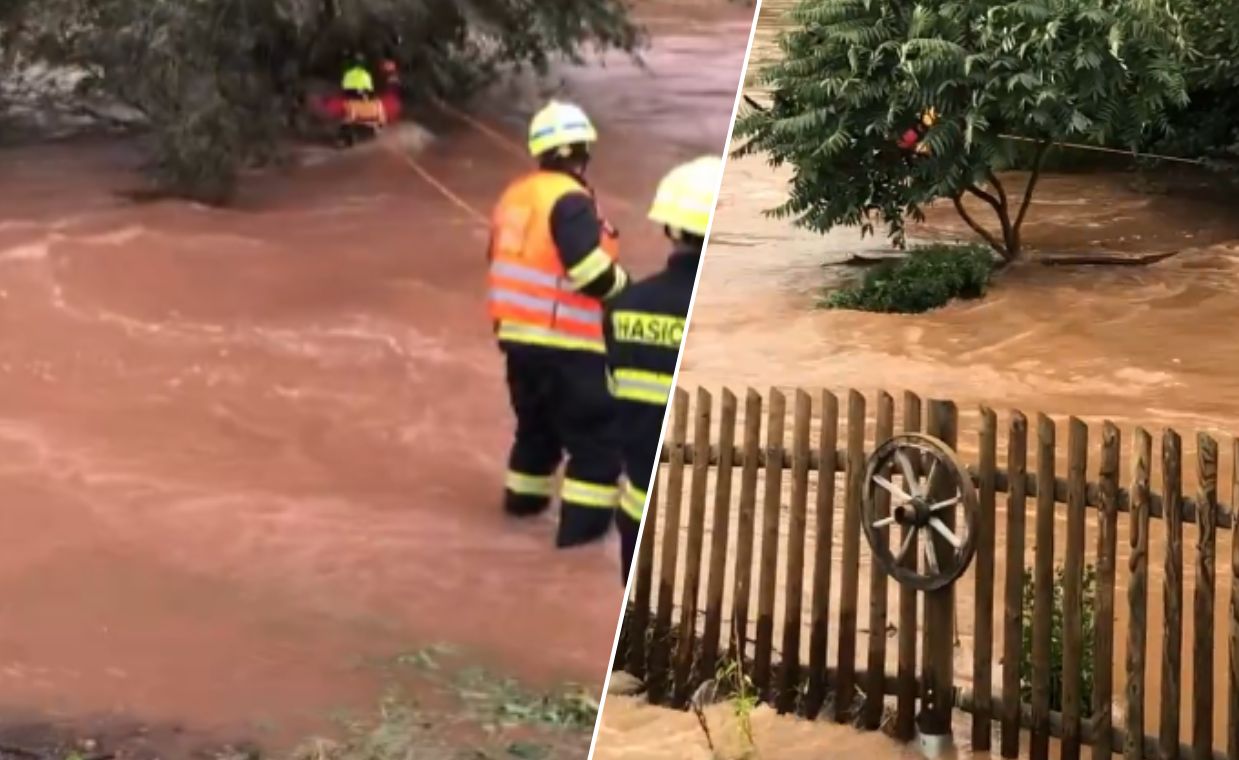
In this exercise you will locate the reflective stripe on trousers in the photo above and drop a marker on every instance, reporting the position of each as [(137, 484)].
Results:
[(528, 485), (641, 386), (585, 494), (632, 501)]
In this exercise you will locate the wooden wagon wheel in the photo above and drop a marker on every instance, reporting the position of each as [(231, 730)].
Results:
[(926, 482)]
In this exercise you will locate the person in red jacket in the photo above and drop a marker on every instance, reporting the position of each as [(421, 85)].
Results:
[(912, 140)]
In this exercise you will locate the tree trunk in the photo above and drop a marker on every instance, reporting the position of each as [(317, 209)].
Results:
[(999, 246)]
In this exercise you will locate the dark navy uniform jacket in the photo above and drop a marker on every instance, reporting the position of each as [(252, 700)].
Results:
[(644, 327)]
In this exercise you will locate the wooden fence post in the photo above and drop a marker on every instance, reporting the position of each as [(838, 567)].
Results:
[(1172, 640), (943, 422), (983, 626), (1013, 614), (909, 681), (1043, 589), (797, 519), (1107, 546), (770, 517), (1073, 589), (845, 685), (1232, 723), (828, 441), (1138, 597), (871, 714), (1206, 572), (638, 640), (692, 550), (661, 654), (745, 527), (719, 535)]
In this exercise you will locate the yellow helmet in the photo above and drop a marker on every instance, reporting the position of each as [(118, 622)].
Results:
[(686, 196), (558, 125)]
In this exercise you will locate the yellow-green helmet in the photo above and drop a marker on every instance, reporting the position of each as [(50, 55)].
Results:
[(558, 125), (686, 196)]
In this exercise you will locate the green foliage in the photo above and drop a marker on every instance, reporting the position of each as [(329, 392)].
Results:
[(1088, 617), (930, 277), (855, 74), (220, 80), (505, 702), (732, 680), (1209, 125)]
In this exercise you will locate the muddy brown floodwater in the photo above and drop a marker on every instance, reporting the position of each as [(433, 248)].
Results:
[(1151, 346), (242, 450)]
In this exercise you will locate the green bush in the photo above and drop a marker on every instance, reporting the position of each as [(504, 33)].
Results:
[(1088, 614), (928, 278)]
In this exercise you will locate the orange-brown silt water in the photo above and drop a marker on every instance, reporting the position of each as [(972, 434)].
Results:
[(241, 450), (1150, 346)]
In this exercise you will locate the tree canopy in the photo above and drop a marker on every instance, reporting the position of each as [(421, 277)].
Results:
[(1209, 125), (219, 80), (855, 74)]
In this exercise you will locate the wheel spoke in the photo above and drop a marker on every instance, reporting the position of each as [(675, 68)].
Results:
[(931, 479), (909, 472), (884, 522), (908, 540), (893, 489), (931, 554), (944, 504), (946, 532)]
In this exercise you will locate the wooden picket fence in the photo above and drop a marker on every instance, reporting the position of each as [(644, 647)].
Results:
[(702, 563)]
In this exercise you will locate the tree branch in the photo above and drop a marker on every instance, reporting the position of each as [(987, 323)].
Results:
[(991, 200), (1000, 209), (1042, 149), (997, 185), (976, 227)]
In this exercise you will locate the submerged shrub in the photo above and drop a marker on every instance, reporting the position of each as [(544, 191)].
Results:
[(930, 277)]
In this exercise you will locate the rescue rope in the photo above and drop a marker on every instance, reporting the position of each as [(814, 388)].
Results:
[(1074, 146), (1100, 149), (510, 145), (430, 179), (495, 135)]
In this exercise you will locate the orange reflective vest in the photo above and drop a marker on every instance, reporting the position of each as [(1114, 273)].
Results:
[(365, 112), (532, 299)]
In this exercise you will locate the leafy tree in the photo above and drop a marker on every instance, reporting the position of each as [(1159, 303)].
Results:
[(219, 81), (857, 73), (1209, 125)]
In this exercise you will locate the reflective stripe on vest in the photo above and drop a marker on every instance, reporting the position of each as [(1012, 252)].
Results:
[(531, 297), (641, 386)]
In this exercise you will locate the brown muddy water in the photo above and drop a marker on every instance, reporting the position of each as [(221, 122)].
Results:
[(1150, 346), (242, 450)]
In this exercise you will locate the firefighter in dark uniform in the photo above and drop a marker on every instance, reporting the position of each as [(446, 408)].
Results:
[(553, 263), (644, 330)]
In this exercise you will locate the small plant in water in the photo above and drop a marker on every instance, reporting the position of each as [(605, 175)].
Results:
[(734, 681)]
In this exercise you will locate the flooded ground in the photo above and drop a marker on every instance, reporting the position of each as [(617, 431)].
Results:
[(241, 451), (1148, 346), (636, 730)]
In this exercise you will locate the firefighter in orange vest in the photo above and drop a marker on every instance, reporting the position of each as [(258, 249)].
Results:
[(553, 264)]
